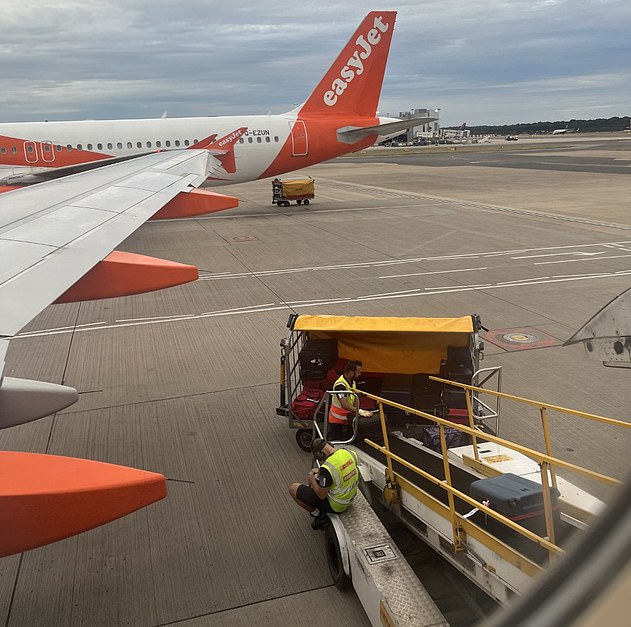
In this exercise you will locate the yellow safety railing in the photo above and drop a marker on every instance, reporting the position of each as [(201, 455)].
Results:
[(548, 463)]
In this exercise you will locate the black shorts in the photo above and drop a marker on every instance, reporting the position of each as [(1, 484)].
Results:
[(307, 496)]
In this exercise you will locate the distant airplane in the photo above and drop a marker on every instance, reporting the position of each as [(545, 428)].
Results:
[(562, 131), (58, 240), (339, 117)]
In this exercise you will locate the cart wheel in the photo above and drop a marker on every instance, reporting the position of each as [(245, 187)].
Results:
[(287, 203), (334, 559), (306, 201), (304, 438), (299, 202)]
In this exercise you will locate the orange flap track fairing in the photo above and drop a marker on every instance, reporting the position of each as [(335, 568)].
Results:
[(197, 202), (45, 498), (124, 274)]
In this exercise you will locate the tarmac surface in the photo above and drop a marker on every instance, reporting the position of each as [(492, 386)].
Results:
[(185, 381)]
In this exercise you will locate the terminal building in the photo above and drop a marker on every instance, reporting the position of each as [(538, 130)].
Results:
[(429, 132)]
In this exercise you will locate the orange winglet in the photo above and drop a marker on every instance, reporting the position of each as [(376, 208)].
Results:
[(45, 498), (195, 203), (123, 274)]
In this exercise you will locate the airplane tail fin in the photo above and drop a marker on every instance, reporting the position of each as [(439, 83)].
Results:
[(352, 85)]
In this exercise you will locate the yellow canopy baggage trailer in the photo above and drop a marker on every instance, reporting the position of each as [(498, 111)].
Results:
[(299, 190), (398, 357)]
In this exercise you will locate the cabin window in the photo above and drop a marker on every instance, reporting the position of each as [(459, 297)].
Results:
[(268, 139), (3, 150), (129, 145), (14, 150), (138, 144), (276, 138), (186, 142), (79, 146), (99, 146), (46, 147), (250, 140), (119, 145), (69, 147), (148, 144), (241, 140), (158, 144), (110, 146), (196, 141), (177, 142), (29, 149), (168, 143), (59, 148), (89, 146)]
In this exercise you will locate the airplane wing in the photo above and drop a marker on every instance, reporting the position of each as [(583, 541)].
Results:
[(54, 233), (49, 174), (56, 243)]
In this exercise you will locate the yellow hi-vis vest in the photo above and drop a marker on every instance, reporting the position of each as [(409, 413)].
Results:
[(342, 466), (336, 412)]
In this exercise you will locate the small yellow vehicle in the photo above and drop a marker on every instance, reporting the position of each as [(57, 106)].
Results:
[(300, 190)]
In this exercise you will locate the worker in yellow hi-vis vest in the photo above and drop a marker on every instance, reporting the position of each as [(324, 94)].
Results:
[(330, 488), (345, 406)]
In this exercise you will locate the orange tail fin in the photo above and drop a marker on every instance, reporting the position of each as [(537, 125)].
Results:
[(353, 83)]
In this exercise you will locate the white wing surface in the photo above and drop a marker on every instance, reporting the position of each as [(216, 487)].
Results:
[(53, 233)]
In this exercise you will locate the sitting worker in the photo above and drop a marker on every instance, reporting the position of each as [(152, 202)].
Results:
[(345, 406), (332, 487)]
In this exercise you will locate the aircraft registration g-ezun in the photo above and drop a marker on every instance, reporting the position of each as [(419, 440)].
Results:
[(75, 190)]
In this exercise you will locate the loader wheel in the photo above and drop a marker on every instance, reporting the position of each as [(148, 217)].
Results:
[(334, 559), (306, 201), (304, 438), (299, 202)]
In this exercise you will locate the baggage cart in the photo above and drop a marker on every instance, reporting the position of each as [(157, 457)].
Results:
[(300, 190)]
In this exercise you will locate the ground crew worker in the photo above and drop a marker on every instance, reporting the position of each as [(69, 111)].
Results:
[(345, 406), (332, 487)]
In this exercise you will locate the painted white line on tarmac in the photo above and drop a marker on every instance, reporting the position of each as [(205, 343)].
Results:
[(372, 297), (541, 263), (399, 276)]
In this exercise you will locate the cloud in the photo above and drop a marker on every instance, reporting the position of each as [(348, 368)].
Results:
[(484, 61)]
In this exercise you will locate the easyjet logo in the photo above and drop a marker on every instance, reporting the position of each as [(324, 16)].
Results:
[(228, 139), (355, 64)]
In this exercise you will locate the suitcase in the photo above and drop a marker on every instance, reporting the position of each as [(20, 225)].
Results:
[(426, 394), (513, 496), (305, 403), (453, 438), (317, 357), (454, 398), (459, 365), (520, 500), (397, 388)]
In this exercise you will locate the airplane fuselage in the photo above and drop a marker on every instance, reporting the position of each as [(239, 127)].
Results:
[(272, 144)]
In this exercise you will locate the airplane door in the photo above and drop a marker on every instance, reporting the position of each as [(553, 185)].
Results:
[(30, 152), (299, 140), (48, 151)]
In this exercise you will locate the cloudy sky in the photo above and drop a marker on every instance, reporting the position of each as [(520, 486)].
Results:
[(480, 61)]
